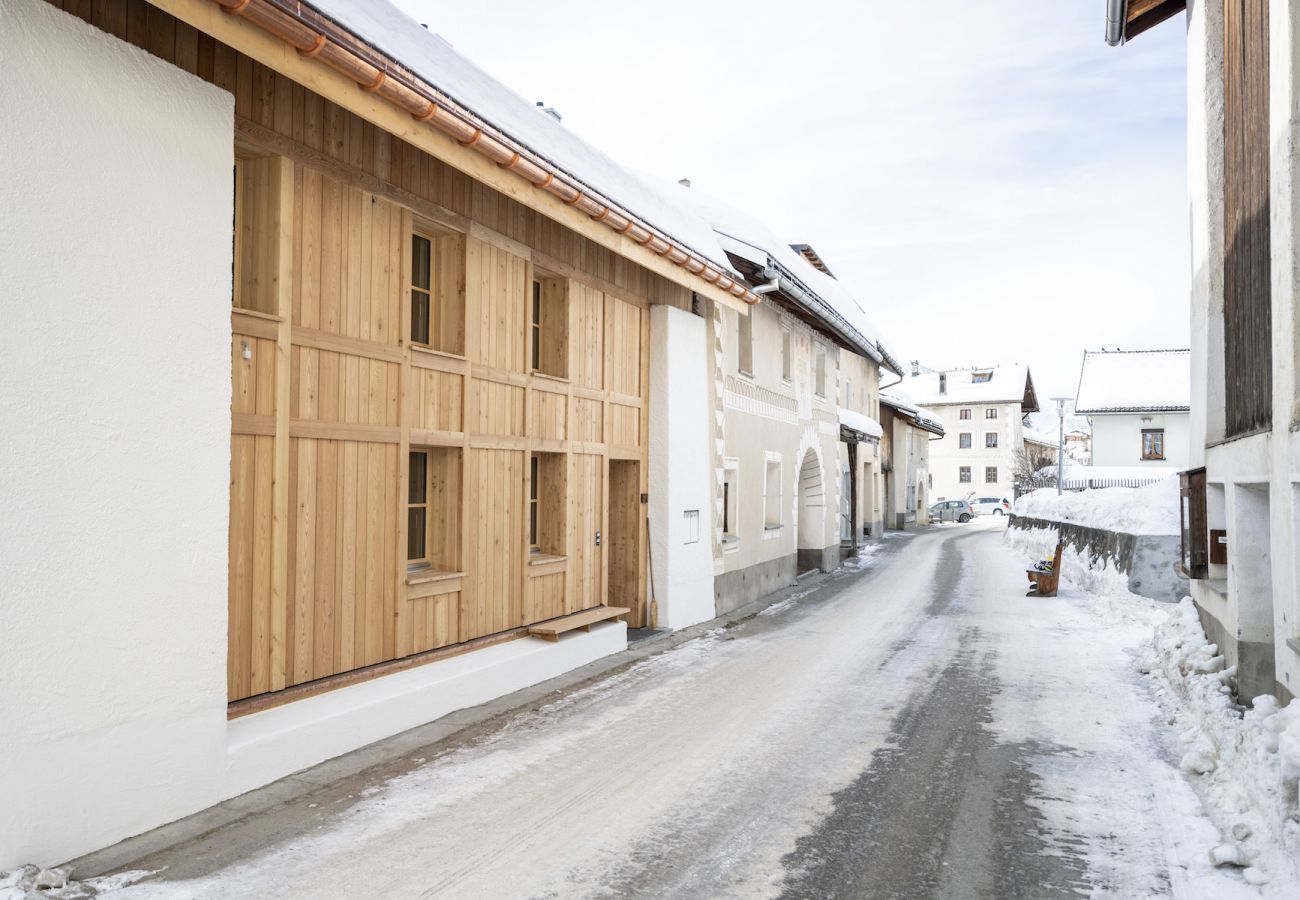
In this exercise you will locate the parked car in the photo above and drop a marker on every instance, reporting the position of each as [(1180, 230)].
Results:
[(951, 511), (995, 506)]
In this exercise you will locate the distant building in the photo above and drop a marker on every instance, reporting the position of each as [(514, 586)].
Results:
[(981, 412), (905, 459), (1139, 405)]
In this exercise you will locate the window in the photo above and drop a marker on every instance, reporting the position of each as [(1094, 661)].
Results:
[(785, 353), (437, 304), (848, 392), (990, 474), (819, 371), (421, 287), (1193, 516), (981, 377), (990, 440), (964, 414), (963, 474), (546, 507), (1153, 443), (963, 441), (730, 527), (548, 328), (991, 412), (745, 342), (691, 518), (772, 495), (433, 509)]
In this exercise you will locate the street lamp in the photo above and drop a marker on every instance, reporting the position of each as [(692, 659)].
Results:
[(1060, 443)]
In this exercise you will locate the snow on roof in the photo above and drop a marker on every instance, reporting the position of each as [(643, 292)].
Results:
[(1001, 384), (1038, 437), (899, 400), (748, 238), (858, 422), (385, 27), (1135, 380)]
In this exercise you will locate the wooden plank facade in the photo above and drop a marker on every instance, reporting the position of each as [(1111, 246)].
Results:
[(439, 409), (1247, 273)]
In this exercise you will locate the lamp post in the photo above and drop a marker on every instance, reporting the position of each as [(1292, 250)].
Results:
[(1060, 443)]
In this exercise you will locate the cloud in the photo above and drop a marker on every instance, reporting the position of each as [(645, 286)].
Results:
[(992, 180)]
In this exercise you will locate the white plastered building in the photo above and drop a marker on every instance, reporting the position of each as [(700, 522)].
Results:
[(1138, 404)]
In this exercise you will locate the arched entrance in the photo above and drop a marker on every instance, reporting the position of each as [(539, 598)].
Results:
[(812, 513)]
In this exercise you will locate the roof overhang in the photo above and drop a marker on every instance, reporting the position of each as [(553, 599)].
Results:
[(306, 46), (1126, 19)]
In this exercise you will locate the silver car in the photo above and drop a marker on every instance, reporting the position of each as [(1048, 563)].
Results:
[(951, 511)]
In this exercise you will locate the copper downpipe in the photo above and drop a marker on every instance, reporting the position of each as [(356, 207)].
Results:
[(387, 79)]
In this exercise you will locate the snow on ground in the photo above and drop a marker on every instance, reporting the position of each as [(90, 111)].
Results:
[(1245, 763), (1146, 510)]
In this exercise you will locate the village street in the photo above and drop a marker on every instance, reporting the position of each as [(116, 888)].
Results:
[(911, 727)]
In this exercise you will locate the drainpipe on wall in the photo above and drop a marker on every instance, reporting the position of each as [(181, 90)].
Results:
[(1116, 13)]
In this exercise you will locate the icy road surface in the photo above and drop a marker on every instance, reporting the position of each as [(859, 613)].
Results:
[(913, 728)]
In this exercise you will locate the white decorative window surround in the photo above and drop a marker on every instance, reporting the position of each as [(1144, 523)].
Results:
[(730, 504), (773, 495)]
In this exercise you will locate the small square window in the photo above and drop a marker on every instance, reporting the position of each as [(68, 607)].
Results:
[(963, 441), (963, 474), (990, 439), (991, 412), (990, 474), (963, 414)]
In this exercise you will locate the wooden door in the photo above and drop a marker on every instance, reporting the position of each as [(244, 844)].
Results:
[(586, 563), (624, 539)]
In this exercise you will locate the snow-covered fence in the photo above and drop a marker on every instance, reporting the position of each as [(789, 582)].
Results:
[(1088, 483)]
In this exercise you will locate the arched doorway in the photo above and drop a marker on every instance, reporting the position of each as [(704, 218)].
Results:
[(812, 513)]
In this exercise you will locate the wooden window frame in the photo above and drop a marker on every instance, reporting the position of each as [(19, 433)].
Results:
[(964, 475), (547, 499), (990, 440), (1157, 443), (548, 325), (446, 521), (964, 440), (990, 412), (416, 290), (991, 470), (963, 415)]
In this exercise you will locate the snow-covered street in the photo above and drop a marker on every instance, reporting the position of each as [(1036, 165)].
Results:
[(915, 726)]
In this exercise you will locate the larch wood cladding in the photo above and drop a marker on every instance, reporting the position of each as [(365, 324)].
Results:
[(1247, 274), (329, 393)]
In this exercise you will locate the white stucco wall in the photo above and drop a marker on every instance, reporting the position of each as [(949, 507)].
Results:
[(114, 456), (1117, 440), (947, 457), (680, 467)]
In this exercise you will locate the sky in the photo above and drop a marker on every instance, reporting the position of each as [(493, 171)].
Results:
[(993, 181)]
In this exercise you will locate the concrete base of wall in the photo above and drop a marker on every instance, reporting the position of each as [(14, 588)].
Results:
[(269, 745), (732, 590), (823, 560), (1149, 560), (1254, 660)]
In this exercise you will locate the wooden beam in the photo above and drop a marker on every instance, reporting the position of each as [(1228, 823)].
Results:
[(252, 41)]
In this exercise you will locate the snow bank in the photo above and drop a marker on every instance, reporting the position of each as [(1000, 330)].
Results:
[(1086, 572), (1245, 765), (1146, 510)]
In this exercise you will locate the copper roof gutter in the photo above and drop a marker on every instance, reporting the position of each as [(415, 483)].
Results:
[(317, 37)]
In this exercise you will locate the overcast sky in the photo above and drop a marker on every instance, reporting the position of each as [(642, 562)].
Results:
[(995, 182)]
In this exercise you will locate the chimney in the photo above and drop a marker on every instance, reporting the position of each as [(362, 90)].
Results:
[(550, 111), (684, 182), (916, 367), (943, 382)]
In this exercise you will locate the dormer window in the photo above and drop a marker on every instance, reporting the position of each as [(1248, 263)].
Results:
[(981, 377)]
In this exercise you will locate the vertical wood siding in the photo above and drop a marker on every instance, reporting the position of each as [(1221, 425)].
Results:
[(1247, 317), (330, 394)]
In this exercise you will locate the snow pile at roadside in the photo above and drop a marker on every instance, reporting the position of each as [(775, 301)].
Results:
[(1146, 510), (1086, 572), (1244, 766), (30, 882)]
